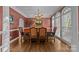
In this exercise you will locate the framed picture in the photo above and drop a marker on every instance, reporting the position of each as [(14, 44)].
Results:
[(11, 19)]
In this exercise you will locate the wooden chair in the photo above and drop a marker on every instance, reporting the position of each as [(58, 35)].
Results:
[(21, 33), (43, 34), (27, 34), (33, 34), (51, 35)]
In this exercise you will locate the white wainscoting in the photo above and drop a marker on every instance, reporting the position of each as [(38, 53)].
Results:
[(14, 38), (13, 30), (11, 40)]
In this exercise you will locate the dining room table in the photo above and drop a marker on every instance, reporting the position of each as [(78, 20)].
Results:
[(27, 33)]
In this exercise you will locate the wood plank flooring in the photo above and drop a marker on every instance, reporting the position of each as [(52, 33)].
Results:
[(50, 46)]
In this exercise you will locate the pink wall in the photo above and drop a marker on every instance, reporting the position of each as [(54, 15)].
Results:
[(15, 25), (16, 17), (28, 22), (46, 23)]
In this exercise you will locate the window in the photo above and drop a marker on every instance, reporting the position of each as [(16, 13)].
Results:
[(57, 21), (52, 23), (66, 24)]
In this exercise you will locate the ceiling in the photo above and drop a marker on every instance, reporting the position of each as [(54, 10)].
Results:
[(30, 11)]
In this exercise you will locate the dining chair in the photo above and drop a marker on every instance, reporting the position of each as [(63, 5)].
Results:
[(33, 34), (43, 34), (21, 33), (27, 34), (53, 33)]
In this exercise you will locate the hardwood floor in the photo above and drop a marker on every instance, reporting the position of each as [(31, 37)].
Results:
[(50, 46)]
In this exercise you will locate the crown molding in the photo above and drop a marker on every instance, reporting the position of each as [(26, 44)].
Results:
[(13, 7)]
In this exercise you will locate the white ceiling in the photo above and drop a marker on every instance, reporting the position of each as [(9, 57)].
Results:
[(30, 11)]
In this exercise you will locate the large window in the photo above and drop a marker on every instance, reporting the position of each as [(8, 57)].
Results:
[(57, 23), (62, 20), (66, 24)]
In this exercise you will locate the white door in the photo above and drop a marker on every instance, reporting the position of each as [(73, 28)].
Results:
[(21, 23), (6, 29)]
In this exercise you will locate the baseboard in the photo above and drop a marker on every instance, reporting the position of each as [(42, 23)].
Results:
[(64, 41), (14, 38)]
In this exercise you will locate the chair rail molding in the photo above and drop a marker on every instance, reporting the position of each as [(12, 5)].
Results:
[(14, 30)]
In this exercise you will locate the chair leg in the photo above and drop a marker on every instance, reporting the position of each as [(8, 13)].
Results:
[(46, 41), (30, 41), (21, 39), (54, 39)]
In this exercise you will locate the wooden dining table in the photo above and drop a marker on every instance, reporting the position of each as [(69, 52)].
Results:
[(27, 33)]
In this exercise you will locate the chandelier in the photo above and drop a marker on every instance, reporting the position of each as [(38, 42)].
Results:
[(38, 18)]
